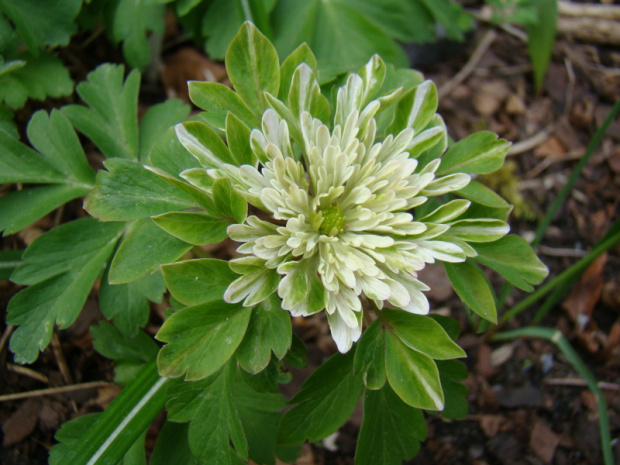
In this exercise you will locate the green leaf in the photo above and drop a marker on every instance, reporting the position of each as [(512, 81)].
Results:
[(195, 228), (62, 266), (9, 260), (513, 258), (144, 249), (391, 430), (7, 124), (40, 24), (541, 38), (339, 34), (423, 334), (213, 328), (206, 403), (60, 160), (19, 163), (111, 118), (53, 136), (260, 417), (238, 140), (370, 358), (65, 249), (481, 194), (451, 16), (107, 438), (217, 100), (199, 193), (301, 54), (25, 83), (447, 212), (228, 201), (22, 208), (129, 191), (478, 230), (130, 354), (412, 375), (305, 95), (128, 304), (416, 108), (481, 152), (253, 67), (296, 356), (269, 330), (326, 400), (169, 155), (244, 417), (156, 121), (471, 286), (194, 282), (131, 24), (204, 144), (451, 373), (221, 22), (172, 446)]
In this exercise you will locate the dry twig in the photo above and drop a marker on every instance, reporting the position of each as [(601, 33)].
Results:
[(469, 67), (54, 391), (20, 370)]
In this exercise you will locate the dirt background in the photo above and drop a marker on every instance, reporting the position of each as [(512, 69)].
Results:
[(526, 403)]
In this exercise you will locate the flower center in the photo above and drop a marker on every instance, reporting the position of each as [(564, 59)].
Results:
[(333, 220)]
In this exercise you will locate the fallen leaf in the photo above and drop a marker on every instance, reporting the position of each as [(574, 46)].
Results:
[(552, 147), (544, 441), (580, 302), (188, 64), (21, 423), (490, 424)]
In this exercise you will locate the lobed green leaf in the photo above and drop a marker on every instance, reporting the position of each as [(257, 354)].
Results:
[(194, 282), (111, 118), (144, 249), (391, 430), (213, 328), (326, 400)]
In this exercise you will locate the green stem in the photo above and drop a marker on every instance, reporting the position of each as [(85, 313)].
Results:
[(567, 275), (562, 343), (122, 423)]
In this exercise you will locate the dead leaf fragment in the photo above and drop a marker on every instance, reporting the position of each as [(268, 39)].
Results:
[(544, 441), (188, 64), (552, 147), (490, 424), (22, 423), (580, 302)]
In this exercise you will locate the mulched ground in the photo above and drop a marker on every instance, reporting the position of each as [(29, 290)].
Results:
[(526, 404)]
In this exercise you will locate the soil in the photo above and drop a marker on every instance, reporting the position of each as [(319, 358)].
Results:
[(526, 403)]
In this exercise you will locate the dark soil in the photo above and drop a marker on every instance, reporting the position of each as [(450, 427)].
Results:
[(527, 405)]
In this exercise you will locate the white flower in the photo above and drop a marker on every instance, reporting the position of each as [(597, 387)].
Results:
[(338, 233)]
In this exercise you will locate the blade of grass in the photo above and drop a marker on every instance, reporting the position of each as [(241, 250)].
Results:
[(555, 336), (569, 274), (561, 198), (120, 425)]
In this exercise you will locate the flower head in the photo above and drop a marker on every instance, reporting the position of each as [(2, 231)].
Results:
[(338, 232)]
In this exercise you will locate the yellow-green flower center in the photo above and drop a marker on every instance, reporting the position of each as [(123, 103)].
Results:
[(333, 221)]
